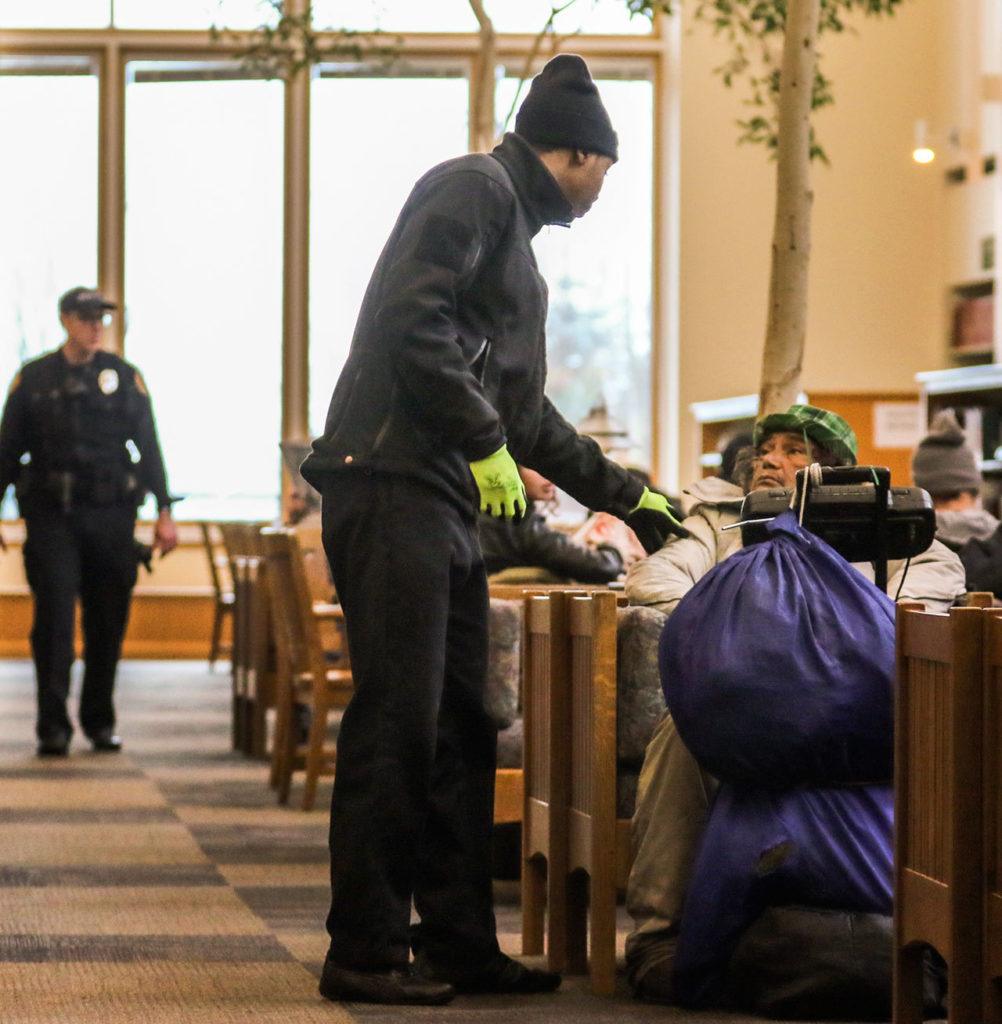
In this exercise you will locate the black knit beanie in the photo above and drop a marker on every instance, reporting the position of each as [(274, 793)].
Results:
[(563, 108)]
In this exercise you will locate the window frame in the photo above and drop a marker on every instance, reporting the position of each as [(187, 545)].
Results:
[(112, 49)]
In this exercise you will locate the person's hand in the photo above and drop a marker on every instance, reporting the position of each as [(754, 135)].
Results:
[(165, 533), (605, 529), (502, 493), (652, 521)]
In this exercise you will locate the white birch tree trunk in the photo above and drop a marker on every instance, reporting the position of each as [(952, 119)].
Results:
[(791, 242)]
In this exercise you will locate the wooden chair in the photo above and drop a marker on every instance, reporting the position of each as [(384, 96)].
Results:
[(235, 543), (546, 755), (252, 657), (938, 835), (222, 588), (992, 811), (598, 849), (304, 673)]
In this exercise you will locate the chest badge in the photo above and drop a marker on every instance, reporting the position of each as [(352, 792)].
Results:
[(107, 381)]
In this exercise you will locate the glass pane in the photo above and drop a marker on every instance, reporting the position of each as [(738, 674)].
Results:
[(599, 277), (203, 283), (393, 143), (55, 13), (49, 216), (193, 13), (594, 16)]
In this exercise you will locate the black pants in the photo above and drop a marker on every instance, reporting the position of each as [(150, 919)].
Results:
[(413, 802), (88, 552)]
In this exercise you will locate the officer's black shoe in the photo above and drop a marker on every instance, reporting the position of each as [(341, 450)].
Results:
[(106, 740), (501, 975), (56, 745), (403, 986)]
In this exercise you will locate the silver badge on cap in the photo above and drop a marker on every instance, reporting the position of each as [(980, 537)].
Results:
[(107, 381)]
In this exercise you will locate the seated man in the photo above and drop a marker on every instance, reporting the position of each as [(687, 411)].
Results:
[(946, 467), (530, 543), (674, 794)]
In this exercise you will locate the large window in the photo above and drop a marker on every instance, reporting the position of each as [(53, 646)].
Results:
[(372, 138), (48, 217), (203, 278), (599, 274), (191, 226)]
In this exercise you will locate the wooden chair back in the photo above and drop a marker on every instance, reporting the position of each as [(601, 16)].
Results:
[(992, 810), (592, 847), (546, 757), (938, 836), (318, 576), (304, 675), (222, 589)]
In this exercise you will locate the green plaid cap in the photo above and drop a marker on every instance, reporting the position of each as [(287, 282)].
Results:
[(821, 426)]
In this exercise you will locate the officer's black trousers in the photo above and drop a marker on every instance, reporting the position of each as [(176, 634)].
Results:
[(413, 798), (88, 552)]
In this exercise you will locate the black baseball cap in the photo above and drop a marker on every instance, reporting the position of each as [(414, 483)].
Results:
[(87, 303)]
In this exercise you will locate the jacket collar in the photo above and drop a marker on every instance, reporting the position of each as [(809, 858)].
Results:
[(538, 190)]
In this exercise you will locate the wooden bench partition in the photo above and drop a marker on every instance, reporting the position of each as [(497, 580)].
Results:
[(597, 862), (938, 796), (546, 757), (992, 810)]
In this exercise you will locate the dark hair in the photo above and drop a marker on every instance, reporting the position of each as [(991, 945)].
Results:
[(729, 455)]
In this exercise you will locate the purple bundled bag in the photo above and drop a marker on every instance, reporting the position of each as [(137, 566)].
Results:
[(778, 666), (817, 847)]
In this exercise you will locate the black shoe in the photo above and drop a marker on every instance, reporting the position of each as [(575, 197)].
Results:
[(57, 745), (501, 975), (106, 740), (341, 984)]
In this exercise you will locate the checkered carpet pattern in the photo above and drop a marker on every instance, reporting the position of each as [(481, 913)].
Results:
[(163, 885)]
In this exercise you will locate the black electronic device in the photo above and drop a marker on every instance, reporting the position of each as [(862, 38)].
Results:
[(852, 508)]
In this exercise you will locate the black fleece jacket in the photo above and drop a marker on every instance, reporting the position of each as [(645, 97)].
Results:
[(448, 359)]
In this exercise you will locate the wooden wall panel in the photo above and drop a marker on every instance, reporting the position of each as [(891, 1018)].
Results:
[(161, 625)]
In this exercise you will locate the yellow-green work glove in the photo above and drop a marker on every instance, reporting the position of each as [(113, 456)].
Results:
[(502, 493), (652, 521)]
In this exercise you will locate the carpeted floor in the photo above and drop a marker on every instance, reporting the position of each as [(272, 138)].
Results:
[(163, 885)]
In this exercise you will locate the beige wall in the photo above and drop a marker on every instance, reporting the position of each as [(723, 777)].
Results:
[(877, 278)]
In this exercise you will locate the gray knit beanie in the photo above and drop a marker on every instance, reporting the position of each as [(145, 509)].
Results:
[(943, 463)]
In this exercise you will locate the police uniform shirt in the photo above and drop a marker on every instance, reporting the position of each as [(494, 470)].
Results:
[(65, 429)]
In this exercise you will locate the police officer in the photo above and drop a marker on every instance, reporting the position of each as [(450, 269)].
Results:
[(442, 392), (67, 422)]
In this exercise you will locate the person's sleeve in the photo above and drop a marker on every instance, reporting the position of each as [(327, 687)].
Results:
[(144, 435), (661, 580), (576, 465), (936, 578), (553, 550), (982, 561), (13, 435), (454, 226)]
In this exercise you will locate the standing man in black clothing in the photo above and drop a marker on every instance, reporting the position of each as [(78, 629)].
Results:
[(441, 394), (63, 444)]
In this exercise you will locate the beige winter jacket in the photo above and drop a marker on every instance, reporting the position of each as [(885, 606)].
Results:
[(936, 577)]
